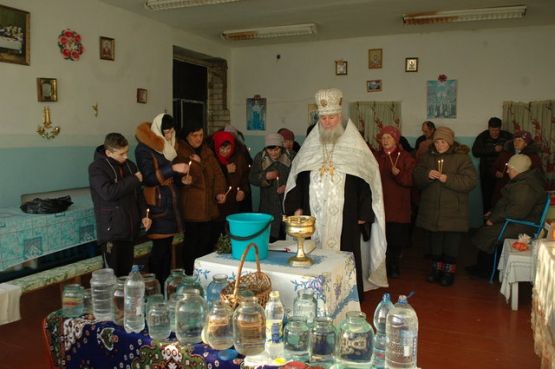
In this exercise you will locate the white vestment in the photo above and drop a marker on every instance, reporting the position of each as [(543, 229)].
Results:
[(352, 156)]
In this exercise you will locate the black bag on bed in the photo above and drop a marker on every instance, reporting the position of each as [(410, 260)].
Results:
[(47, 206)]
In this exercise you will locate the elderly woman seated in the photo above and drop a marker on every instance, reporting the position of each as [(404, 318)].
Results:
[(522, 198)]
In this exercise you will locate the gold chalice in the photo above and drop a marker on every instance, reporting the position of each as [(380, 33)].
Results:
[(300, 227)]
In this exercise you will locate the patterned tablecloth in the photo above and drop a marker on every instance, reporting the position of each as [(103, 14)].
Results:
[(543, 305), (27, 236), (332, 277)]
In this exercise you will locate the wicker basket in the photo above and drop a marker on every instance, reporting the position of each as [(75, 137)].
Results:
[(257, 282)]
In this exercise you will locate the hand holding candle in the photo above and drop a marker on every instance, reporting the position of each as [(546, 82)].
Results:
[(229, 189)]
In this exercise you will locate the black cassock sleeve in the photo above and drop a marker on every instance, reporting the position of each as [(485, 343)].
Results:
[(298, 197)]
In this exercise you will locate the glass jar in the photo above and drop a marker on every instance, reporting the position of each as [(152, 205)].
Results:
[(190, 282), (190, 317), (171, 306), (158, 320), (322, 340), (295, 338), (305, 305), (87, 301), (249, 327), (219, 281), (157, 298), (354, 347), (152, 286), (119, 300), (72, 300), (219, 328), (172, 282)]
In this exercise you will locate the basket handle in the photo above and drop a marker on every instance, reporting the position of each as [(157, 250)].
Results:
[(243, 257)]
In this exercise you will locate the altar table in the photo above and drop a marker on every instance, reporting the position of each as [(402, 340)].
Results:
[(543, 305), (332, 277)]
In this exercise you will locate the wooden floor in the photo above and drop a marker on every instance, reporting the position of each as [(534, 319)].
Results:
[(466, 326)]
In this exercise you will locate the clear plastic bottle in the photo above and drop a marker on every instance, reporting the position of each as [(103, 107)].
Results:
[(134, 292), (103, 282), (380, 321), (274, 325), (402, 336)]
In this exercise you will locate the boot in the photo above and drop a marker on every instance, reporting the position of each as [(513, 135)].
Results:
[(482, 267), (448, 277), (392, 267), (437, 271)]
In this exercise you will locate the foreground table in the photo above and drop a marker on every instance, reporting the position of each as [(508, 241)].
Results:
[(332, 277), (543, 305)]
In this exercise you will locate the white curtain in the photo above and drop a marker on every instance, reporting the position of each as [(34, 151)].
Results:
[(371, 116)]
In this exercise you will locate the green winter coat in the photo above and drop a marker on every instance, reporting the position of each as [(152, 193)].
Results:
[(444, 206)]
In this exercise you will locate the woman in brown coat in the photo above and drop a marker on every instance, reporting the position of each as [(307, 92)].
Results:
[(203, 187), (396, 168), (445, 175)]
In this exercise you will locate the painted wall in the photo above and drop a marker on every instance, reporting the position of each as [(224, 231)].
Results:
[(143, 59), (490, 66)]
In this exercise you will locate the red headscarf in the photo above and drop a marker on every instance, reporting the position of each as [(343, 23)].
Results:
[(220, 138)]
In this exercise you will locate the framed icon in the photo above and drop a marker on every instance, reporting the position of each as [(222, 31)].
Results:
[(340, 68), (47, 89), (15, 36), (411, 64), (375, 58), (142, 95), (107, 48), (374, 85), (313, 115)]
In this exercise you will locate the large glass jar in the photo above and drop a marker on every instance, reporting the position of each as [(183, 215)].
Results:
[(356, 335), (322, 340), (172, 282), (172, 303), (190, 282), (305, 305), (190, 317), (219, 281), (72, 300), (119, 300), (152, 286), (296, 336), (158, 320), (249, 327), (219, 328)]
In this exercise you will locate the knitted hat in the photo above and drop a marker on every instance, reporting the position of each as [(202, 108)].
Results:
[(392, 131), (329, 101), (445, 133), (525, 135), (273, 139), (520, 163), (191, 127), (494, 122), (287, 134)]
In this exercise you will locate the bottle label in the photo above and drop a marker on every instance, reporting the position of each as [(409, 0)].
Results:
[(274, 331)]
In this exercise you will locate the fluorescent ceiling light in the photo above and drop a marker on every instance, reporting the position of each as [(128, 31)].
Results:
[(270, 32), (502, 12), (174, 4)]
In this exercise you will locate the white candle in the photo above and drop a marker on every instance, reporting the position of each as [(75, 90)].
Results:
[(229, 189)]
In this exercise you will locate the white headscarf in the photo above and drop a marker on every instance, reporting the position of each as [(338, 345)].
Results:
[(169, 146)]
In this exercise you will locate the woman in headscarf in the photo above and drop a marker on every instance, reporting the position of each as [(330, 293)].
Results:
[(445, 175), (236, 171), (154, 154), (396, 168)]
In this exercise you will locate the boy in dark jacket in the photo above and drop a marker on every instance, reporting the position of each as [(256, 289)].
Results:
[(115, 184)]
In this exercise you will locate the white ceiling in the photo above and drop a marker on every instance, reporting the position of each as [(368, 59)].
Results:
[(335, 19)]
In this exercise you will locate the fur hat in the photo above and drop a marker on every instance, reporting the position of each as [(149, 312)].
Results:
[(329, 101), (494, 122), (445, 133), (273, 139), (525, 135), (392, 131), (520, 163), (287, 134)]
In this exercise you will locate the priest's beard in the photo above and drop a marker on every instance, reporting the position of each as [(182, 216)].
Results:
[(330, 136)]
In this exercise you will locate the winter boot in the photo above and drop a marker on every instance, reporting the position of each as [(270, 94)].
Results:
[(482, 267), (437, 271), (448, 277)]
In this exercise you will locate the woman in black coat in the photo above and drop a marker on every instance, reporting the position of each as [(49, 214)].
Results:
[(154, 154)]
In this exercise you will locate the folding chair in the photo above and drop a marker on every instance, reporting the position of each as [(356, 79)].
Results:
[(537, 230)]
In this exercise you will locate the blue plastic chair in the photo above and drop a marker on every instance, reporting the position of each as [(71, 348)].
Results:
[(537, 226)]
